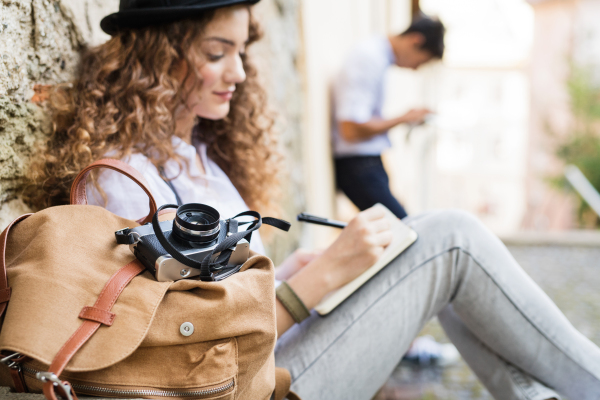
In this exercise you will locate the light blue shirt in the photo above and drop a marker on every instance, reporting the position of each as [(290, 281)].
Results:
[(358, 94)]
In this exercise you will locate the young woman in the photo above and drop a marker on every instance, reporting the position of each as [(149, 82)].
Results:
[(174, 94)]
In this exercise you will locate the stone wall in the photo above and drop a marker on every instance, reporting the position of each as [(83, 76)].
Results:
[(40, 41), (280, 56)]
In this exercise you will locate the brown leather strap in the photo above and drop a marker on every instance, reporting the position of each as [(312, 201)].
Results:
[(105, 302), (5, 295), (166, 214), (283, 380), (98, 315), (13, 365), (4, 289), (78, 194), (18, 380), (61, 391)]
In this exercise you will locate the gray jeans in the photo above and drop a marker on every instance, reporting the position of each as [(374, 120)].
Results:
[(509, 332)]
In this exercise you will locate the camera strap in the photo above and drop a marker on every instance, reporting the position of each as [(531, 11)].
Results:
[(220, 255), (163, 176)]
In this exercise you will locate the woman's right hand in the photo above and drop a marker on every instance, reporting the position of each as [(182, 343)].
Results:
[(357, 248)]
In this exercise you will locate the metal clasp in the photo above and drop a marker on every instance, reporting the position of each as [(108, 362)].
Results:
[(135, 237), (8, 360), (125, 236), (51, 377)]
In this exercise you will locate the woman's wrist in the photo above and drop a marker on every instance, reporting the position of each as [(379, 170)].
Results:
[(292, 303), (310, 285), (312, 282)]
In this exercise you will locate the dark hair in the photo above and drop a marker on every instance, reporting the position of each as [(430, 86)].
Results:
[(433, 31)]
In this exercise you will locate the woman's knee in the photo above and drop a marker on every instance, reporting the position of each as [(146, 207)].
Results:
[(458, 226), (460, 219)]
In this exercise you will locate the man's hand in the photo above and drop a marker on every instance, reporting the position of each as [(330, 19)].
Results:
[(416, 116), (355, 132)]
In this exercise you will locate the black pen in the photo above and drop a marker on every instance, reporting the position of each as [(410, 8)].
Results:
[(312, 219)]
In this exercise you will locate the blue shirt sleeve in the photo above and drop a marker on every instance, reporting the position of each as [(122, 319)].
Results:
[(355, 90)]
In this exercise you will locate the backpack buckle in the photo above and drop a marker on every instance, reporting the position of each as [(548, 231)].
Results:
[(51, 377)]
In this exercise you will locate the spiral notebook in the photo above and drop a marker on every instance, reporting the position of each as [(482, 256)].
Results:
[(404, 236)]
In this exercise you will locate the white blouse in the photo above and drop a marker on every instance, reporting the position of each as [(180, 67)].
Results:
[(213, 188)]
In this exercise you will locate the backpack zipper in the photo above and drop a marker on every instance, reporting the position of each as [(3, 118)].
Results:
[(143, 392)]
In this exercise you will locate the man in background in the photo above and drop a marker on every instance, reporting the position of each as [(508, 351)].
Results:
[(360, 134)]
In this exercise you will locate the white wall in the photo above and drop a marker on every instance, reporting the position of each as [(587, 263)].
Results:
[(474, 156)]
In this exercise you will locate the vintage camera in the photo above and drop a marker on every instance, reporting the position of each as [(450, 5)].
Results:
[(193, 235)]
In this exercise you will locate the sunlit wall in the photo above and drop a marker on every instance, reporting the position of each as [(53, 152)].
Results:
[(473, 154)]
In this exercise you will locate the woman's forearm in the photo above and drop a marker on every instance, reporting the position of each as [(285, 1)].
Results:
[(355, 132), (311, 284)]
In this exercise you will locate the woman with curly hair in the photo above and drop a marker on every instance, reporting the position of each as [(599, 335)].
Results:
[(174, 94)]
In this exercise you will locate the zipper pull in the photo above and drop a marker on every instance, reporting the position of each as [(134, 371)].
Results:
[(12, 361)]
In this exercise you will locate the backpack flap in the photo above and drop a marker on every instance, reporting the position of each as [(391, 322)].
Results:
[(58, 261)]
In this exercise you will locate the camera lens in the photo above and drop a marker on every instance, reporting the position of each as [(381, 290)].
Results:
[(197, 223)]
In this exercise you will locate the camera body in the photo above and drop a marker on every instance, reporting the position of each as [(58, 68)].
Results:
[(197, 242), (164, 267)]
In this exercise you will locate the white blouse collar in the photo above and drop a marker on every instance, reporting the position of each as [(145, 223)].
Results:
[(188, 153)]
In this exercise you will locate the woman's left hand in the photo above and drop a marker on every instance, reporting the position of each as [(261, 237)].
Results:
[(295, 262)]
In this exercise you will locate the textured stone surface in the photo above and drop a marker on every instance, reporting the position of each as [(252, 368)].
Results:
[(40, 40), (279, 59), (39, 45), (21, 124)]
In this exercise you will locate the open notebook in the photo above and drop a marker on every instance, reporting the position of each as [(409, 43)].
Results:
[(403, 238)]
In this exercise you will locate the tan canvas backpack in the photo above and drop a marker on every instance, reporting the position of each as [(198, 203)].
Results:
[(81, 315)]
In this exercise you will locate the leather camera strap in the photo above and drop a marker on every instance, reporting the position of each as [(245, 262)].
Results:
[(78, 194), (93, 317)]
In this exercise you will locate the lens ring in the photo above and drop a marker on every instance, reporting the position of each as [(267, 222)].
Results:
[(198, 208), (199, 233), (197, 222)]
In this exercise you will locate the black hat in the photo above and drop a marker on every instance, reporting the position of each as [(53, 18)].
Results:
[(142, 13)]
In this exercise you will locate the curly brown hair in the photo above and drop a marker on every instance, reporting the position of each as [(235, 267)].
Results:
[(124, 100)]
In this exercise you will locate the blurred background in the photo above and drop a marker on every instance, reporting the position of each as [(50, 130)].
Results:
[(517, 98)]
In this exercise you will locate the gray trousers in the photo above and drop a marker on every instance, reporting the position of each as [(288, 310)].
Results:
[(510, 333)]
